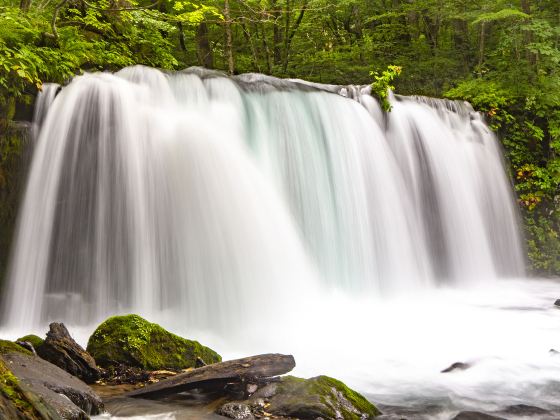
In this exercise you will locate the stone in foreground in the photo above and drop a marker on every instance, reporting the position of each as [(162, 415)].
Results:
[(132, 341), (321, 396), (35, 388), (61, 350)]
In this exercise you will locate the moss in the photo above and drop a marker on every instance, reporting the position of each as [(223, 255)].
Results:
[(321, 396), (36, 341), (11, 347), (132, 341)]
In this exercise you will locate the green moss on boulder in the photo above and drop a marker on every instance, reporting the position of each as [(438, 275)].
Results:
[(11, 347), (132, 341), (35, 340), (321, 396)]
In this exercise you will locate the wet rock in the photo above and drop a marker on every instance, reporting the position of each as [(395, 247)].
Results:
[(475, 415), (38, 386), (61, 350), (321, 396), (132, 341), (236, 410), (457, 366), (525, 410)]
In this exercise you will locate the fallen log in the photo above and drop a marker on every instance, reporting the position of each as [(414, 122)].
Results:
[(216, 375)]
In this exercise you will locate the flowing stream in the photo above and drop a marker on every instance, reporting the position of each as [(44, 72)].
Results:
[(250, 209)]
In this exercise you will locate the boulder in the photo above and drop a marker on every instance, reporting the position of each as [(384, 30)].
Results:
[(132, 341), (321, 396), (61, 350), (36, 388)]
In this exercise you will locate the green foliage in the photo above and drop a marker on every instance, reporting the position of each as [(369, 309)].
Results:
[(132, 341), (382, 85)]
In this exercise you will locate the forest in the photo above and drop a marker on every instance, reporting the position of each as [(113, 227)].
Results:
[(501, 56)]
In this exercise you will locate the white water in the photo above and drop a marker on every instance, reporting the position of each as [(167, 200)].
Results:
[(274, 215)]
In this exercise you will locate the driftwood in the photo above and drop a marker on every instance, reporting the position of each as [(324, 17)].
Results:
[(217, 375)]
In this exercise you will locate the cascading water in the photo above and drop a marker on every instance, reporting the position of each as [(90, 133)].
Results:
[(193, 193), (266, 215)]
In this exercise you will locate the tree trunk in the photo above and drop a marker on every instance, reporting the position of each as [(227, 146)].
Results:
[(229, 37), (205, 56)]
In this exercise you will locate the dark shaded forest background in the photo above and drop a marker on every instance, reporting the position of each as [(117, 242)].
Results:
[(502, 56)]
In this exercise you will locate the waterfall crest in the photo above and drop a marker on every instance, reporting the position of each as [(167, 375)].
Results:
[(194, 193)]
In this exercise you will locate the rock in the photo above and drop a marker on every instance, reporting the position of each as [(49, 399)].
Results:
[(132, 341), (236, 410), (17, 401), (61, 350), (34, 340), (321, 396), (221, 376), (456, 366), (525, 410), (46, 388), (475, 415), (557, 303), (11, 347)]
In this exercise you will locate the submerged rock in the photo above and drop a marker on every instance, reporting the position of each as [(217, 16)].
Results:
[(456, 366), (132, 341), (61, 350), (236, 411), (475, 415), (35, 388), (321, 396)]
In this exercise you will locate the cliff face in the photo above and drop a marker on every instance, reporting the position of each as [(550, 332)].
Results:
[(14, 137)]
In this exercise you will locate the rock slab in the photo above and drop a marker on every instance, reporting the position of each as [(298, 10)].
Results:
[(60, 394)]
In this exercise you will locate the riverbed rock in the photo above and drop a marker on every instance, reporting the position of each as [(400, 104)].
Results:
[(475, 415), (61, 350), (321, 396), (456, 366), (39, 389), (132, 341), (236, 411)]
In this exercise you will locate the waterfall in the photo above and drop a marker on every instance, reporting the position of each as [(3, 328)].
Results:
[(220, 200)]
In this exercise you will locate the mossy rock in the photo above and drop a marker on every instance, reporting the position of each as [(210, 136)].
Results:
[(132, 341), (35, 340), (321, 396), (18, 402), (11, 347)]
